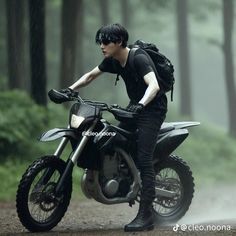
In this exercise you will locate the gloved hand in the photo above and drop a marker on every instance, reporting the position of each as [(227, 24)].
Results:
[(136, 108), (69, 92)]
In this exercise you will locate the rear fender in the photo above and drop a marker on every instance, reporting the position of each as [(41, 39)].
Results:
[(56, 133), (169, 142), (184, 124)]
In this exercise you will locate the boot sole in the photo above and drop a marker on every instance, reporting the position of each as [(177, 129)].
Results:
[(146, 228)]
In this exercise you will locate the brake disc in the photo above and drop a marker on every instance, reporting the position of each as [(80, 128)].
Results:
[(48, 201)]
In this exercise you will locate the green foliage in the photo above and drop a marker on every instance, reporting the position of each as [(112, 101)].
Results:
[(211, 154), (10, 175), (21, 123), (11, 172), (209, 151), (20, 120)]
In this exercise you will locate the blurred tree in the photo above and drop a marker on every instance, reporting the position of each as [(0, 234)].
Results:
[(37, 51), (15, 43), (228, 16), (80, 52), (125, 12), (184, 58), (70, 16), (3, 46), (154, 5), (104, 5)]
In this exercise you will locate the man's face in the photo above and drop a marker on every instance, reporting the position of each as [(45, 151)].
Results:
[(110, 49)]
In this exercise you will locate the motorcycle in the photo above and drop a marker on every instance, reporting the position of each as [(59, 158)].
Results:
[(106, 153)]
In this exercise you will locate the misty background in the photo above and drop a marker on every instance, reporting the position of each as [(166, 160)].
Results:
[(50, 44), (201, 24)]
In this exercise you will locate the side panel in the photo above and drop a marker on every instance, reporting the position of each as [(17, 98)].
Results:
[(108, 136), (169, 142)]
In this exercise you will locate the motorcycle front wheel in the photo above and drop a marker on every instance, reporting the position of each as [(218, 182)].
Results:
[(38, 208), (174, 175)]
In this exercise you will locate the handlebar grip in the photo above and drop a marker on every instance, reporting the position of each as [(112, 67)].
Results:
[(57, 97)]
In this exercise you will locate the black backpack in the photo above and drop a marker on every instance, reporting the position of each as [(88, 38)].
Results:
[(163, 65)]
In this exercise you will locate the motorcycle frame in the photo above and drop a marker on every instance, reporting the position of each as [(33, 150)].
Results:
[(166, 144)]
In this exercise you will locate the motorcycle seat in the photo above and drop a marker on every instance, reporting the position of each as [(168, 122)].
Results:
[(166, 127)]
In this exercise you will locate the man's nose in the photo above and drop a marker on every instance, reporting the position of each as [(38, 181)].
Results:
[(102, 46)]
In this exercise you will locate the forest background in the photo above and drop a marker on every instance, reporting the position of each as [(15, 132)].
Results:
[(50, 44)]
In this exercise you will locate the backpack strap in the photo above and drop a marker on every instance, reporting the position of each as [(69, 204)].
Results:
[(117, 75), (131, 62), (131, 59)]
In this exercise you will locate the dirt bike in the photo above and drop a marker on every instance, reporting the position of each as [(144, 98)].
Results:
[(107, 155)]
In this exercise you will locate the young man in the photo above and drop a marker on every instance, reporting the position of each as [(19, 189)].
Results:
[(146, 99)]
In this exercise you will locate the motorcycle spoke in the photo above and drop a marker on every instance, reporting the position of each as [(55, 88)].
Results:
[(169, 180), (43, 205)]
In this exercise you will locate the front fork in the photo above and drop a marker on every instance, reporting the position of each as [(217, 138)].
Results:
[(49, 172), (72, 160), (69, 165), (61, 146)]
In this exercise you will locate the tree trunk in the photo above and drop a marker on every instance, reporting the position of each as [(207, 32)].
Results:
[(37, 51), (70, 13), (15, 43), (104, 12), (228, 15), (184, 59), (80, 51), (125, 11)]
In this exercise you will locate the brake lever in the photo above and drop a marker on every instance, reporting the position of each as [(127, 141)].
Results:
[(116, 106), (74, 96)]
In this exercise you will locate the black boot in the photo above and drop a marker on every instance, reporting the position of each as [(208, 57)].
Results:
[(144, 219)]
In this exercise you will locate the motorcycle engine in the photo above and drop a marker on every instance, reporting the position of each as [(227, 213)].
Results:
[(114, 177)]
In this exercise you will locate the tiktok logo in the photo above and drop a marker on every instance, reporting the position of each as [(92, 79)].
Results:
[(176, 227)]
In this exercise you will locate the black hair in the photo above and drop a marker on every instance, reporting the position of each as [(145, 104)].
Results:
[(114, 33)]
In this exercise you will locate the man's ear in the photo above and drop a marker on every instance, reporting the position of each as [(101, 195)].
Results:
[(119, 43)]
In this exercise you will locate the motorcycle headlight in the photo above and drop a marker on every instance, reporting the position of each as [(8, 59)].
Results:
[(76, 121)]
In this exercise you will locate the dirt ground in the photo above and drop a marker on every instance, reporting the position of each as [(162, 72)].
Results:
[(213, 212)]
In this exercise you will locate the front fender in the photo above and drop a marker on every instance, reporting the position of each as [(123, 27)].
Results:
[(57, 133)]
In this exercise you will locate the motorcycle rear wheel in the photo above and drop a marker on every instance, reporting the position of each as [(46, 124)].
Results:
[(173, 174), (37, 206)]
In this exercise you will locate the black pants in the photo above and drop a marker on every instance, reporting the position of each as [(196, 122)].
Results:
[(148, 124)]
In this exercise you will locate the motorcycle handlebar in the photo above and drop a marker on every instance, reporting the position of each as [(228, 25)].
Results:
[(61, 97), (67, 95)]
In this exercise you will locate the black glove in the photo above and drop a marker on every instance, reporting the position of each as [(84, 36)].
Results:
[(69, 92), (136, 108)]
